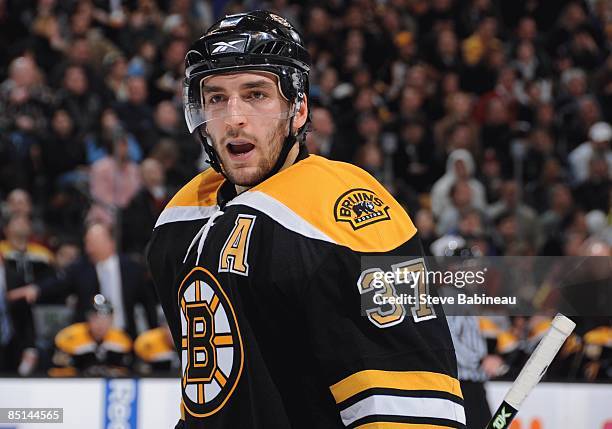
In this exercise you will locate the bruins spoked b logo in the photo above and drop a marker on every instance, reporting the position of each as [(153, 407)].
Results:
[(212, 353), (360, 207)]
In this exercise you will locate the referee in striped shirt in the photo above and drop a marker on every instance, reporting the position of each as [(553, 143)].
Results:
[(475, 367)]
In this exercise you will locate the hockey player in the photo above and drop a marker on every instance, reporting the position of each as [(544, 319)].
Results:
[(94, 347), (261, 261)]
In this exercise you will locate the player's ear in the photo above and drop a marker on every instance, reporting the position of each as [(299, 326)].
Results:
[(301, 115)]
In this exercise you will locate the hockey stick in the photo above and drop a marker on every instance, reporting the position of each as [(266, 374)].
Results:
[(532, 372)]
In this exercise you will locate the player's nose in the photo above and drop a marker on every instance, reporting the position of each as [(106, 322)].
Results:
[(236, 114)]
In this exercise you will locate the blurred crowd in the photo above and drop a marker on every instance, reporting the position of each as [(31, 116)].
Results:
[(489, 121)]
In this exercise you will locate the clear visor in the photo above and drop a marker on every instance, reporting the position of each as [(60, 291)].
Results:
[(205, 106)]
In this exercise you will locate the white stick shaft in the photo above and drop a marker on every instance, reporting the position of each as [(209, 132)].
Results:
[(537, 364)]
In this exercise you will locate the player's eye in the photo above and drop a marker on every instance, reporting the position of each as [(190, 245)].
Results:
[(257, 95), (215, 99)]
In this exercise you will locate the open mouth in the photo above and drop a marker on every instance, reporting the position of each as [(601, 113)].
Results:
[(240, 148)]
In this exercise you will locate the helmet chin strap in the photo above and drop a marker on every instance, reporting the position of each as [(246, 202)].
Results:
[(288, 144)]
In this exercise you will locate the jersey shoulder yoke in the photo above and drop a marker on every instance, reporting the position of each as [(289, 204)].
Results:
[(334, 202), (196, 200)]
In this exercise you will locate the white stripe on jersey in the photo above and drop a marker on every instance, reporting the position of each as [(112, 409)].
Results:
[(185, 213), (435, 408), (280, 213)]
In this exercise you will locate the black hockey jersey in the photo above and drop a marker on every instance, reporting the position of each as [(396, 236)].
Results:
[(263, 293)]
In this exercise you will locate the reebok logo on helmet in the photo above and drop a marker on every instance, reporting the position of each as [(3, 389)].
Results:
[(231, 46)]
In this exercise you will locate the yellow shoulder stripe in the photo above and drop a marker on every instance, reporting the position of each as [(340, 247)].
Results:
[(488, 327), (506, 342), (118, 340), (5, 247), (600, 336), (540, 328), (73, 337), (196, 200), (404, 380), (41, 251), (151, 344), (200, 191), (338, 201)]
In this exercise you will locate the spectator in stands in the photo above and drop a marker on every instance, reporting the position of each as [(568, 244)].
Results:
[(584, 51), (528, 65), (139, 217), (17, 336), (93, 348), (461, 200), (135, 113), (496, 132), (573, 88), (447, 56), (100, 143), (411, 103), (506, 232), (116, 68), (63, 153), (511, 201), (371, 159), (143, 23), (459, 166), (23, 103), (114, 180), (169, 126), (167, 120), (540, 147), (491, 176), (170, 72), (77, 98), (603, 83), (426, 226), (576, 128), (469, 232), (83, 26), (24, 73), (537, 192), (482, 55), (18, 203), (325, 92), (458, 106), (590, 194), (103, 271), (415, 162), (167, 152), (31, 261), (320, 141), (600, 136), (67, 253), (560, 206), (24, 262)]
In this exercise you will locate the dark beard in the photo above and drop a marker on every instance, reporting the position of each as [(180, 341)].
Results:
[(277, 137)]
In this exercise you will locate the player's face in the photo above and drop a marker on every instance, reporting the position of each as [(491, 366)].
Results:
[(247, 123), (99, 325)]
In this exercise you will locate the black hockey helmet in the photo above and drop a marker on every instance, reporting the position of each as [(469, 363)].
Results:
[(252, 41)]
